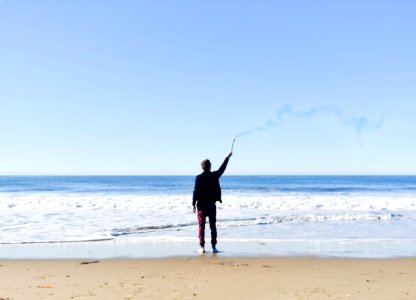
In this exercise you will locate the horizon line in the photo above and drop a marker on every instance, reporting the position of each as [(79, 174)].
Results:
[(177, 175)]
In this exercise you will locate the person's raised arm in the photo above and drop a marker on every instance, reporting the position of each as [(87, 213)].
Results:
[(221, 170)]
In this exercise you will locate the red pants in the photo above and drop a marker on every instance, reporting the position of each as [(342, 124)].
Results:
[(211, 213)]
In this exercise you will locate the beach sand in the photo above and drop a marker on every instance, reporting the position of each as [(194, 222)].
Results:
[(209, 277)]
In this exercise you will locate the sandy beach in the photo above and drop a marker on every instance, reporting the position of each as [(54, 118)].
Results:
[(209, 277)]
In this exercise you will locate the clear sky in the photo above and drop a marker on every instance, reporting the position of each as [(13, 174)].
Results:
[(154, 87)]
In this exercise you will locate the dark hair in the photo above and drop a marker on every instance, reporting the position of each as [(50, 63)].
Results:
[(206, 164)]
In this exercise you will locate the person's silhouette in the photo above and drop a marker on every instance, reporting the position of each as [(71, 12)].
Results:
[(207, 192)]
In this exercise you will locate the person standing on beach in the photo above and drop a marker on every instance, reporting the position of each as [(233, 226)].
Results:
[(207, 192)]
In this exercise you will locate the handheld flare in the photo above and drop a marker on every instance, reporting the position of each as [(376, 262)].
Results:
[(232, 146)]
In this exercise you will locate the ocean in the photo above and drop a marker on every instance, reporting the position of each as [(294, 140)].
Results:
[(327, 213)]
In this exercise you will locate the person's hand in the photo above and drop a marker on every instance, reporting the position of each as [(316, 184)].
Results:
[(194, 209), (230, 154)]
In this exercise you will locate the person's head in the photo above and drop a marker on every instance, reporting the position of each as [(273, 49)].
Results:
[(206, 165)]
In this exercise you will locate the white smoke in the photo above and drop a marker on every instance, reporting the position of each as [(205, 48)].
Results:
[(360, 123)]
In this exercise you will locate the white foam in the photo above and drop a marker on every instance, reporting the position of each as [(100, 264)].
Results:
[(357, 202), (80, 217)]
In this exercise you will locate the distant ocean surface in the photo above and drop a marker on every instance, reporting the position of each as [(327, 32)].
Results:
[(48, 209)]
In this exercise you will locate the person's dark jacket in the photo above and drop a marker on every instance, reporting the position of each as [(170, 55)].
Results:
[(207, 187)]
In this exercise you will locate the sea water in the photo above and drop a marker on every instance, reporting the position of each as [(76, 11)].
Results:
[(322, 215)]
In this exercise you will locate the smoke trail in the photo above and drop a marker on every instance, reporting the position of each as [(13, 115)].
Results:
[(358, 122)]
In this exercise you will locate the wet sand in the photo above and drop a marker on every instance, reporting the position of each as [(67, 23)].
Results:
[(209, 277)]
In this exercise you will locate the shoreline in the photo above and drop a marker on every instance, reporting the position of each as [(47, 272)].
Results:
[(170, 247), (205, 277)]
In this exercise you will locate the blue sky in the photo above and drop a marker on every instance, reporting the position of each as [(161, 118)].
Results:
[(154, 87)]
